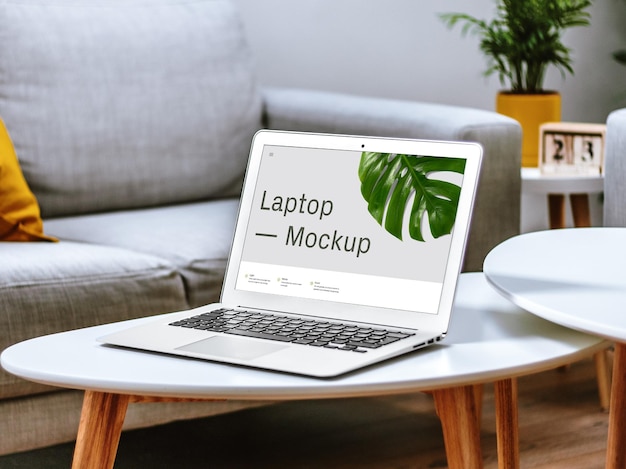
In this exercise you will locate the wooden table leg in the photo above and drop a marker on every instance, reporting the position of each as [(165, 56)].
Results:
[(99, 430), (479, 394), (456, 408), (556, 210), (507, 423), (603, 377), (580, 210), (616, 447)]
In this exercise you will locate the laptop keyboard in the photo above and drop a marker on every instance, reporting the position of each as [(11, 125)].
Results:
[(316, 333)]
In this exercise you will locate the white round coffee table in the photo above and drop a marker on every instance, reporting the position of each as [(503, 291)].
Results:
[(575, 278), (490, 340)]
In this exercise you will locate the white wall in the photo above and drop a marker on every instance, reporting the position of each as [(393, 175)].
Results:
[(400, 49)]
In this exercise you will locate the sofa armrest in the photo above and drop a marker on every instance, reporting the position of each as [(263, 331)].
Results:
[(615, 170), (497, 210)]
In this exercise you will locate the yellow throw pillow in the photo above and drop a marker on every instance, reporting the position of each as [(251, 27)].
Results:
[(20, 219)]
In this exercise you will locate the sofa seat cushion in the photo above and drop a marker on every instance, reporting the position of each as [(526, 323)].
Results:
[(52, 287), (127, 103), (195, 238)]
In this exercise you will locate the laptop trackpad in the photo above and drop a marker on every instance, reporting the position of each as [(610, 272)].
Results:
[(233, 347)]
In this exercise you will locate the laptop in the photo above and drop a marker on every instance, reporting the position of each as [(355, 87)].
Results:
[(346, 252)]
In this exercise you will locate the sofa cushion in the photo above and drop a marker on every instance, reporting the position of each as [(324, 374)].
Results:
[(52, 287), (126, 103), (195, 238), (19, 211)]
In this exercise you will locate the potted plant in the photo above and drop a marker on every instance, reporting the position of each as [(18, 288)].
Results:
[(520, 43)]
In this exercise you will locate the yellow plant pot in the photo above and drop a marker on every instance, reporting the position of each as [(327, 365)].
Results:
[(530, 110)]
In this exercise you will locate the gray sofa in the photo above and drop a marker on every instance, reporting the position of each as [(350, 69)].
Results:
[(132, 121), (615, 170)]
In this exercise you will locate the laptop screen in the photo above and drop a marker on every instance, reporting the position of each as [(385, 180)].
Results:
[(344, 226)]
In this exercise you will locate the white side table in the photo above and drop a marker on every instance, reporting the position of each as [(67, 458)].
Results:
[(574, 278), (555, 187)]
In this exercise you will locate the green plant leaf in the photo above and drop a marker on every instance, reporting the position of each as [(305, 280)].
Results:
[(389, 181), (524, 38)]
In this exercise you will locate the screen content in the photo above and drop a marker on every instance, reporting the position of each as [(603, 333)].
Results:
[(354, 227)]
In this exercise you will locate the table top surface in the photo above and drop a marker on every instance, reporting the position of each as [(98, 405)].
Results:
[(533, 180), (489, 339), (574, 277)]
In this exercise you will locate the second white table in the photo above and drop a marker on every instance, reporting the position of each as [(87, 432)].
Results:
[(573, 277)]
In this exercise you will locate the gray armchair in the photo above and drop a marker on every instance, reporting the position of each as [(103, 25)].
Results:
[(132, 121), (615, 170)]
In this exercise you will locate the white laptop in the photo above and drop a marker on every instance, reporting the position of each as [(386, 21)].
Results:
[(346, 252)]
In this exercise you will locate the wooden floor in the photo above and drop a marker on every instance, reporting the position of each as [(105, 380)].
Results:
[(561, 426)]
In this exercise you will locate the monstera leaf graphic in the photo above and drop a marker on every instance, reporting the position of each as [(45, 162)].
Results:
[(388, 181)]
